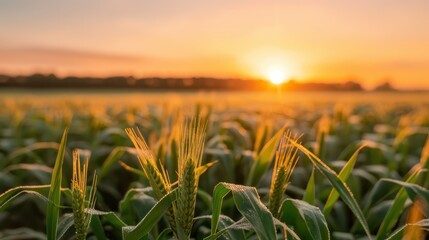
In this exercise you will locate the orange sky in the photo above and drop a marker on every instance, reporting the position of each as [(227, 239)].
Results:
[(369, 41)]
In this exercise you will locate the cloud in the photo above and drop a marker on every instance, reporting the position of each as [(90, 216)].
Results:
[(64, 62), (59, 56), (67, 61)]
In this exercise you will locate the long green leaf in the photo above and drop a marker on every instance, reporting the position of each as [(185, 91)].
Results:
[(97, 228), (307, 220), (65, 223), (148, 222), (241, 224), (398, 234), (310, 190), (343, 175), (109, 217), (412, 189), (228, 229), (262, 162), (164, 234), (9, 195), (396, 209), (338, 184), (113, 157), (29, 149), (52, 210), (249, 205)]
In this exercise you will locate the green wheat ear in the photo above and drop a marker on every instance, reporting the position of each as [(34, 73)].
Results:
[(81, 206), (190, 154), (286, 159), (157, 176)]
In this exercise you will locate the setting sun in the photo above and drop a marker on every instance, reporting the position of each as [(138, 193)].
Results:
[(276, 75)]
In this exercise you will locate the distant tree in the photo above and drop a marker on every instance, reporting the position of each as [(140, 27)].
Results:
[(386, 86)]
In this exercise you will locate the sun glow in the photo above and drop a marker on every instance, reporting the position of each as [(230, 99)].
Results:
[(275, 65), (276, 75)]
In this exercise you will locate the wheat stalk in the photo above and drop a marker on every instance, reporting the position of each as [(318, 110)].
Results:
[(158, 179), (191, 146), (81, 205), (286, 159)]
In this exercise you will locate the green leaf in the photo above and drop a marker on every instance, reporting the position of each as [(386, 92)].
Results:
[(233, 234), (131, 169), (29, 149), (113, 157), (338, 184), (310, 191), (65, 223), (307, 220), (343, 175), (398, 234), (38, 171), (231, 230), (7, 197), (21, 233), (54, 197), (202, 169), (249, 205), (135, 205), (151, 219), (97, 228), (228, 226), (109, 217), (263, 161), (396, 209), (164, 234), (412, 189)]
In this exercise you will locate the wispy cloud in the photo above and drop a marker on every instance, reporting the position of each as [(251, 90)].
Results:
[(67, 61), (61, 61), (56, 56)]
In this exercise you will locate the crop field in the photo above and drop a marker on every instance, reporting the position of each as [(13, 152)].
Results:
[(118, 165)]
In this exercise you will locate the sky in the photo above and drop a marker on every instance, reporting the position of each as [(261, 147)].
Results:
[(325, 40)]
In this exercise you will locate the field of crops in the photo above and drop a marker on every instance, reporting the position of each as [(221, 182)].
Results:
[(214, 165)]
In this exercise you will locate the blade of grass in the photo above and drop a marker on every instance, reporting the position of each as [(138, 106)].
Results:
[(131, 169), (29, 149), (113, 157), (97, 228), (9, 200), (148, 222), (398, 234), (65, 223), (343, 175), (310, 190), (396, 209), (338, 184), (10, 194), (164, 234), (52, 211), (412, 190), (262, 162), (249, 205), (110, 217), (307, 220), (229, 229)]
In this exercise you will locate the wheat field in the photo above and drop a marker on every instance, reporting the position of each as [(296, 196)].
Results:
[(131, 165)]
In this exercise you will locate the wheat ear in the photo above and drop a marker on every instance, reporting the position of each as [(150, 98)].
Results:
[(286, 159)]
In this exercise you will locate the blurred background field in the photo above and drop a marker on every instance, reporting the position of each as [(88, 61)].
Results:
[(393, 125)]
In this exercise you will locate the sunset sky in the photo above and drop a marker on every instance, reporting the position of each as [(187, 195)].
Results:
[(369, 41)]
